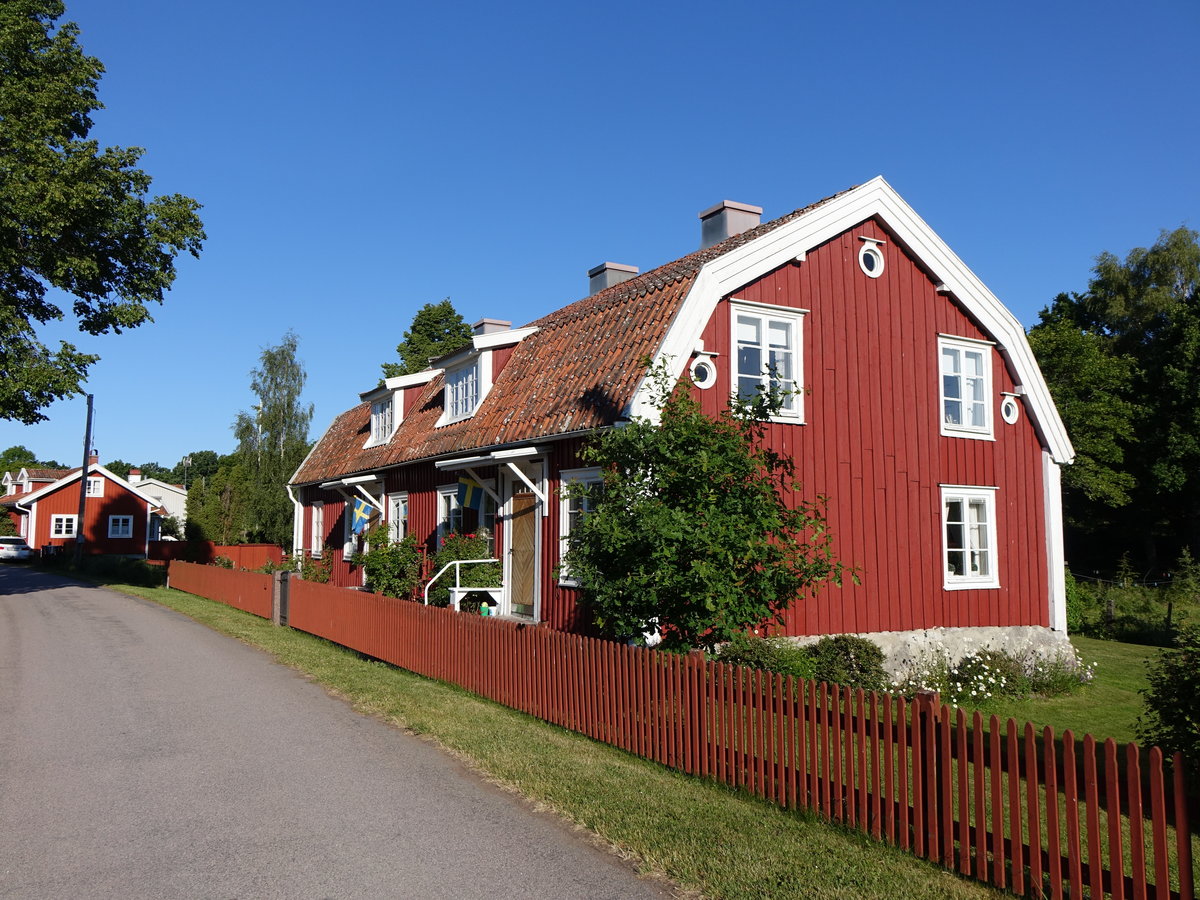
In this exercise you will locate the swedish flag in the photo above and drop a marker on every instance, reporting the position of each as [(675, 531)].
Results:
[(470, 493), (361, 517)]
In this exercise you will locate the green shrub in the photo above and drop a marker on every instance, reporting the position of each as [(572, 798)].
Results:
[(771, 654), (393, 567), (222, 562), (849, 660), (457, 546), (319, 570), (1171, 704), (978, 678)]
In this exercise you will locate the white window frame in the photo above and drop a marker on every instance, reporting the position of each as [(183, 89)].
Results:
[(120, 527), (95, 486), (964, 346), (449, 513), (971, 496), (567, 509), (316, 539), (766, 314), (58, 523), (383, 420), (463, 390), (397, 507)]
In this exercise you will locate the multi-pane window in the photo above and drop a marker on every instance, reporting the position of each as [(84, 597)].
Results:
[(120, 526), (969, 537), (316, 542), (95, 486), (62, 526), (462, 392), (576, 504), (455, 518), (966, 376), (397, 516), (382, 419), (767, 350)]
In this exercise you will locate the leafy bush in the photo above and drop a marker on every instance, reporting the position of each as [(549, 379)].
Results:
[(849, 660), (457, 546), (222, 562), (695, 530), (110, 569), (1171, 704), (317, 571), (771, 654), (393, 567)]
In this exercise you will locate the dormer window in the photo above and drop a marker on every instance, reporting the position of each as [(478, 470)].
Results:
[(382, 419), (462, 391)]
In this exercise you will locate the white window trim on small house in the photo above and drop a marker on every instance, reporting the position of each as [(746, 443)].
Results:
[(62, 526), (768, 318), (449, 512), (316, 542), (961, 348), (95, 486), (571, 508), (120, 526), (970, 557), (397, 507), (383, 420)]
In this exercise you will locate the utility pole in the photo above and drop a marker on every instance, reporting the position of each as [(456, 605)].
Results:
[(83, 482)]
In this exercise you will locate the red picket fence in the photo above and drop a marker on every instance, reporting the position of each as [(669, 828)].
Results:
[(248, 591), (1029, 812), (244, 556)]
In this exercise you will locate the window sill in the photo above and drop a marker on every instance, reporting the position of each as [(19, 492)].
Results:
[(967, 433), (965, 585)]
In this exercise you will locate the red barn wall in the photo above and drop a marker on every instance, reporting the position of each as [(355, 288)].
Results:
[(871, 444)]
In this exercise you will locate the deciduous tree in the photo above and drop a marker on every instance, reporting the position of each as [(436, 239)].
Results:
[(437, 329), (698, 528), (74, 216)]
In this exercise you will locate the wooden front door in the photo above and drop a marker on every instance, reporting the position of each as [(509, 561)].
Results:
[(522, 553)]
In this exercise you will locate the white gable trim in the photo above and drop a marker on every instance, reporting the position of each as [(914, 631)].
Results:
[(733, 270), (95, 468)]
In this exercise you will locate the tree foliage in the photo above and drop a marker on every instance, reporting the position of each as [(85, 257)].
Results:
[(1123, 363), (218, 510), (1171, 704), (18, 457), (436, 329), (393, 567), (697, 528), (273, 441), (73, 216)]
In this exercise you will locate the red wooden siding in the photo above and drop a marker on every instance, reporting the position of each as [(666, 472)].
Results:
[(871, 444), (117, 501)]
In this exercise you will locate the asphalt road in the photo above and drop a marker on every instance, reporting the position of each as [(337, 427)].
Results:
[(143, 755)]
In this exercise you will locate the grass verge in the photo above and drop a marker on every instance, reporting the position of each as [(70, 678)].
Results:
[(706, 838)]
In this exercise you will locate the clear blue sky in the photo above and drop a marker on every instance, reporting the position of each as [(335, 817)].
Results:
[(357, 162)]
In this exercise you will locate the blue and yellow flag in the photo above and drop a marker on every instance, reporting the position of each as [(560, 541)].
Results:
[(470, 493), (362, 516)]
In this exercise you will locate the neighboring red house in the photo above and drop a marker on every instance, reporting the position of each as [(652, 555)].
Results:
[(921, 415), (117, 515)]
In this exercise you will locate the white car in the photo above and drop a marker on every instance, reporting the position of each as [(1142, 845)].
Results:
[(15, 548)]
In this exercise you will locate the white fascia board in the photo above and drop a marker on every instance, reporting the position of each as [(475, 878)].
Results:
[(503, 338), (398, 382), (731, 271)]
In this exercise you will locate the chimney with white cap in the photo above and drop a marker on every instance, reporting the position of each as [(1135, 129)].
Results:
[(607, 274), (725, 220)]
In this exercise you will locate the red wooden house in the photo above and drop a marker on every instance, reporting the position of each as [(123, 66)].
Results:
[(117, 516), (921, 414)]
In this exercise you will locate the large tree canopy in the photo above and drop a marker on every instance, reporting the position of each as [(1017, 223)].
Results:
[(74, 216), (437, 329), (1123, 363)]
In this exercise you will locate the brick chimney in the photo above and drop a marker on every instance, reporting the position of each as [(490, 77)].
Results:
[(135, 475), (607, 274), (725, 220), (93, 458)]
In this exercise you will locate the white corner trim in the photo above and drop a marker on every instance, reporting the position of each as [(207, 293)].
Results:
[(1056, 563), (733, 270)]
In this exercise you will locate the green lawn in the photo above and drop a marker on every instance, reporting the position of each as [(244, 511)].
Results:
[(1106, 708), (710, 840)]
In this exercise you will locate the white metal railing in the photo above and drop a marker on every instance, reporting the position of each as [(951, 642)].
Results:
[(456, 565)]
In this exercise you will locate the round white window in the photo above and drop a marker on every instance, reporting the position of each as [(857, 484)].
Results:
[(1010, 410), (704, 372), (870, 259)]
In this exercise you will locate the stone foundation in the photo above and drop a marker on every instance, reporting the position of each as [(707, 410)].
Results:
[(903, 648)]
